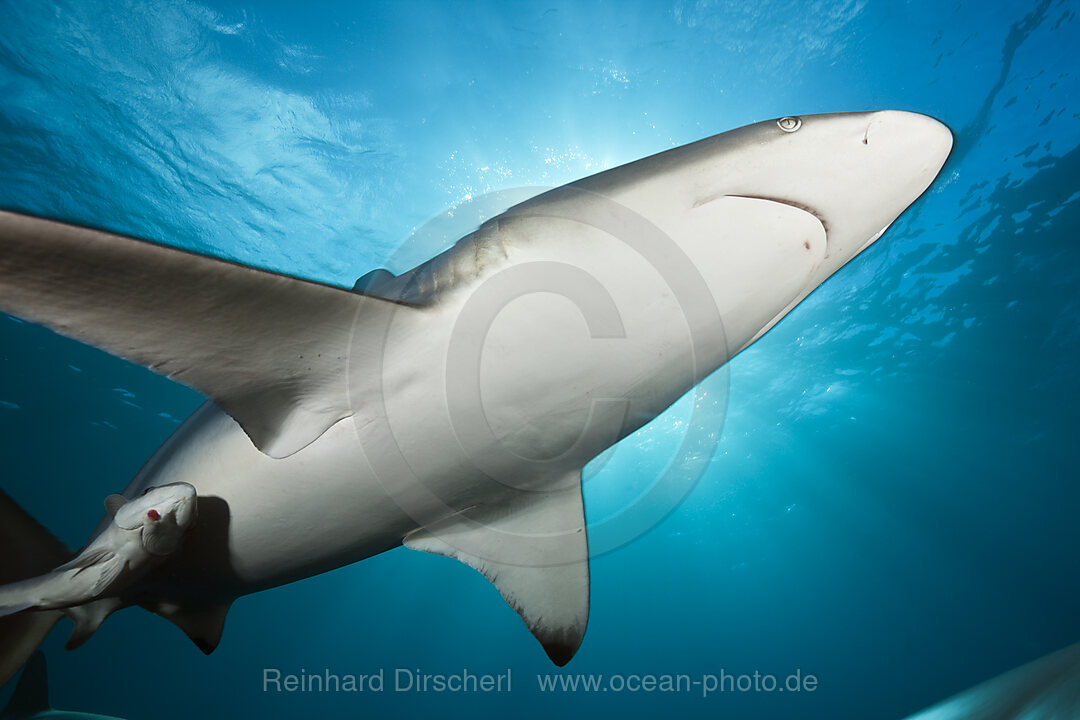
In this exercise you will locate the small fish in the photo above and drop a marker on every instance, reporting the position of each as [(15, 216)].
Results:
[(142, 532)]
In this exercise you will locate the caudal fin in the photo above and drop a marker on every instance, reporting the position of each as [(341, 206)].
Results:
[(26, 550), (31, 695)]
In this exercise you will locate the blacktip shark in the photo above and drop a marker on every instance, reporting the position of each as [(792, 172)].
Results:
[(30, 701), (1043, 689), (451, 408)]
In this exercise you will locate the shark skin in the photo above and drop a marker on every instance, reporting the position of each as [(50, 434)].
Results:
[(452, 408), (1044, 689)]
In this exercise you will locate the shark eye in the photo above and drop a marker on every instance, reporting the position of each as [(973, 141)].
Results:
[(153, 514), (789, 124)]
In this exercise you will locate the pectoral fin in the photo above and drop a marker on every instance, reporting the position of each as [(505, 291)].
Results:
[(203, 624), (88, 618), (534, 550), (113, 503), (271, 350)]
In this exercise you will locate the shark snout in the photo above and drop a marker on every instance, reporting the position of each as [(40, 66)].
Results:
[(173, 505), (918, 144), (168, 512), (855, 172), (179, 504)]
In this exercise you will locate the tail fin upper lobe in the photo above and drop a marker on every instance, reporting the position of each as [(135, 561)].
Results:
[(31, 695), (26, 550)]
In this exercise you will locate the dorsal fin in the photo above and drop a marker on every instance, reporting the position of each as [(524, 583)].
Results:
[(32, 693), (534, 549), (369, 284)]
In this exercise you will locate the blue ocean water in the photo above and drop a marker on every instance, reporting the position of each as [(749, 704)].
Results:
[(891, 504)]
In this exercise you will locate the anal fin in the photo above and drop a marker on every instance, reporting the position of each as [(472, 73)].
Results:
[(203, 624), (534, 549)]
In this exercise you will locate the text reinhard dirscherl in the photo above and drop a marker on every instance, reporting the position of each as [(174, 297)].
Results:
[(414, 680), (399, 680)]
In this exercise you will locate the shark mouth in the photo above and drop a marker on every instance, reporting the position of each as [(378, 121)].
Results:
[(798, 206)]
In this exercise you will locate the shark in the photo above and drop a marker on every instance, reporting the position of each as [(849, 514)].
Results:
[(30, 700), (450, 408), (1044, 689)]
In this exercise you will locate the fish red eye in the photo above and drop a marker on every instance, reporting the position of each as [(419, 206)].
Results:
[(153, 514)]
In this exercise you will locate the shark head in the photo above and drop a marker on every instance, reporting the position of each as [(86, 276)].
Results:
[(843, 177), (761, 215), (854, 172), (163, 513)]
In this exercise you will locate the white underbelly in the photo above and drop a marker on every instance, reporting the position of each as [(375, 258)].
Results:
[(287, 518)]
